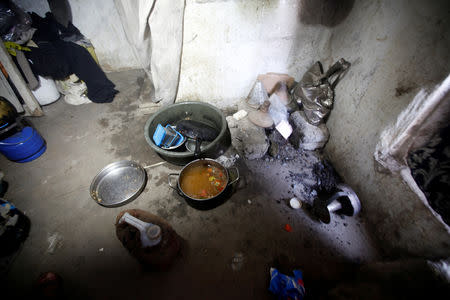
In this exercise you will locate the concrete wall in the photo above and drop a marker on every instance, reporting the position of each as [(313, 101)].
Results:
[(395, 47), (228, 43), (98, 21)]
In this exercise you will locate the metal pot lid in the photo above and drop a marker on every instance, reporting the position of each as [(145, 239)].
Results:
[(118, 183)]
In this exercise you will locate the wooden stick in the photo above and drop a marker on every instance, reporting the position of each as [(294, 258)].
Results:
[(31, 102)]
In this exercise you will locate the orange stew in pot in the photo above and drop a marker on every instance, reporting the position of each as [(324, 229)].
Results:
[(203, 181)]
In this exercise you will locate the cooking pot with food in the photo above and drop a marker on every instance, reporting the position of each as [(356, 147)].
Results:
[(204, 183)]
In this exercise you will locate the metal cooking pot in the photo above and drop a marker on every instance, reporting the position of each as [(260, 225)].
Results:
[(10, 122), (209, 202), (8, 112)]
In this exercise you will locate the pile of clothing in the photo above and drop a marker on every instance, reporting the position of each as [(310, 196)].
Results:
[(57, 56), (61, 51)]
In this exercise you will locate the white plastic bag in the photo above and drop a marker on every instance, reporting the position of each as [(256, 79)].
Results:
[(277, 110), (279, 114), (46, 92)]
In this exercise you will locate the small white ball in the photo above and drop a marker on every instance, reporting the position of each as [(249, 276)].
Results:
[(295, 204)]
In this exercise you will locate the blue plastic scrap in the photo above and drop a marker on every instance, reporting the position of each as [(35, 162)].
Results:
[(167, 137), (287, 287), (159, 134)]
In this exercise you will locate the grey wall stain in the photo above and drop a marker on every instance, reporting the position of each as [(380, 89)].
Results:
[(324, 12), (405, 88)]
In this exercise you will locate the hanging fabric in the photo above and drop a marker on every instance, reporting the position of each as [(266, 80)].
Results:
[(154, 30)]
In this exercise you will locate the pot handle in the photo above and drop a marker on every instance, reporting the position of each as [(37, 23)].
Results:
[(237, 175), (169, 179)]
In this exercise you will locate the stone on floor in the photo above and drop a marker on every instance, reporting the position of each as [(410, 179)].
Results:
[(248, 139), (306, 136)]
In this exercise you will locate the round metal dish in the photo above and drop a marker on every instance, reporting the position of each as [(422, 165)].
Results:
[(190, 145), (118, 183), (176, 146)]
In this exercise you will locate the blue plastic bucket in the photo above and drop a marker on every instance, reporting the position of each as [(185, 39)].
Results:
[(23, 146)]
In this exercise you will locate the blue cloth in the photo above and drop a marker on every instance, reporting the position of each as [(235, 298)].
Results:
[(287, 287)]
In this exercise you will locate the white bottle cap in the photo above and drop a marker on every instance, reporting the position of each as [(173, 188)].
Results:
[(154, 232)]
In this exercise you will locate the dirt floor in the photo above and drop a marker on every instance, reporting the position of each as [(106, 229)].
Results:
[(53, 191)]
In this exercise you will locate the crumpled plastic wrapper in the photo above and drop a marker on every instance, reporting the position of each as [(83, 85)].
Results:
[(315, 91), (287, 287)]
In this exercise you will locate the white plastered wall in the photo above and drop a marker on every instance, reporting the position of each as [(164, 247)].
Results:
[(99, 21), (228, 43)]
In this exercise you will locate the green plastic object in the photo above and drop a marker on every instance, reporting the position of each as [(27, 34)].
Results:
[(199, 111)]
